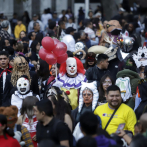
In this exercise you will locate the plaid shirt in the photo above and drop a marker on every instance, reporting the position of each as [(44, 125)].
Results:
[(26, 137), (4, 34)]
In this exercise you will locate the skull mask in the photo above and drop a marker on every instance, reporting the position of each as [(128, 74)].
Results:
[(71, 66), (21, 64), (23, 85)]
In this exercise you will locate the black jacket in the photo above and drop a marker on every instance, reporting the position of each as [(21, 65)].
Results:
[(95, 74), (9, 89)]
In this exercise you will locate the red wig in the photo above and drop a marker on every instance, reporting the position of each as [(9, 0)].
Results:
[(80, 67)]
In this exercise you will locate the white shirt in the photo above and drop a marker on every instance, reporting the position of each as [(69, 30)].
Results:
[(90, 32), (71, 25), (45, 18), (70, 42)]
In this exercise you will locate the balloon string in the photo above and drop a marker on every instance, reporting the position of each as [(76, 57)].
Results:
[(56, 72)]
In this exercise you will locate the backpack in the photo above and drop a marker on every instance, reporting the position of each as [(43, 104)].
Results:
[(125, 87)]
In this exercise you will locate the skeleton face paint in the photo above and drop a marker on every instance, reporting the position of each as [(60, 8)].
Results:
[(23, 85), (87, 96), (71, 66), (21, 64)]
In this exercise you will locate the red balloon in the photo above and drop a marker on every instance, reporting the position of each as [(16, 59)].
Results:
[(60, 49), (48, 43), (51, 59), (56, 41), (42, 53), (62, 59)]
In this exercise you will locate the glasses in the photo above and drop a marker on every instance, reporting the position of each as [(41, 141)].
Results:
[(107, 83)]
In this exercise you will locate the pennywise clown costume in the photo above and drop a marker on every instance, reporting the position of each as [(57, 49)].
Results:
[(21, 67), (23, 91), (70, 78)]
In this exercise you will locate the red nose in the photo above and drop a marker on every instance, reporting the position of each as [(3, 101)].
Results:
[(72, 68)]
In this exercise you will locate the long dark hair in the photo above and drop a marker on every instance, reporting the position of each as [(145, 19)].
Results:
[(101, 90), (27, 105), (3, 121), (44, 70), (61, 107), (33, 45)]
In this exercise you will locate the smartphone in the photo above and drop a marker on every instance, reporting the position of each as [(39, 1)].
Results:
[(120, 127)]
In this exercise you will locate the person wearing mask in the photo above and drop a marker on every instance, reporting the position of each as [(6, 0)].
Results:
[(120, 113), (49, 127), (18, 28), (5, 69), (69, 40), (95, 73), (4, 31), (35, 19)]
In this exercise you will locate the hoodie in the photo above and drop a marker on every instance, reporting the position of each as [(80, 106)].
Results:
[(102, 141)]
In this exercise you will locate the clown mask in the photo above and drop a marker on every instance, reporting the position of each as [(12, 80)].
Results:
[(71, 66), (23, 85), (87, 96)]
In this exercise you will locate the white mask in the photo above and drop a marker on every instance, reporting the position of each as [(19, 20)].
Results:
[(71, 66), (23, 85)]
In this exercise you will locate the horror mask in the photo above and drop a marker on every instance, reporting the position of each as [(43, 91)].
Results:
[(23, 85), (71, 66)]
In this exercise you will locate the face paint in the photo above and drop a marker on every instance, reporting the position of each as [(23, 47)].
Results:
[(23, 85), (107, 82), (71, 66), (87, 96)]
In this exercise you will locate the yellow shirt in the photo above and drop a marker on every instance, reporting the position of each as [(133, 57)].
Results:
[(73, 96), (124, 114), (18, 29)]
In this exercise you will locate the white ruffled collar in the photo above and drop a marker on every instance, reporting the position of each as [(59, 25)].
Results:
[(23, 96), (68, 82)]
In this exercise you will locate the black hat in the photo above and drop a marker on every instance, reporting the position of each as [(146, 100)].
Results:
[(34, 15), (69, 30)]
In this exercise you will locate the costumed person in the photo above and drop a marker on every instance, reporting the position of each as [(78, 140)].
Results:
[(27, 117), (70, 78), (6, 136), (61, 105), (88, 100), (19, 130), (5, 69), (21, 67), (23, 91)]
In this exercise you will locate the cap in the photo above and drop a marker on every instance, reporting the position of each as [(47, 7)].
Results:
[(5, 24), (69, 30), (34, 15)]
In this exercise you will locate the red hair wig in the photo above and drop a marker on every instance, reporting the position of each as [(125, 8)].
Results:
[(80, 67)]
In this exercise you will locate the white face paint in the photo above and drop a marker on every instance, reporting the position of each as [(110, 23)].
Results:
[(23, 85), (71, 66)]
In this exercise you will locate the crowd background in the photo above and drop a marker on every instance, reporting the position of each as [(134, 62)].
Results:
[(20, 42)]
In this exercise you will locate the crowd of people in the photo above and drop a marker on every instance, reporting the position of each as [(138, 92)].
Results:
[(96, 98)]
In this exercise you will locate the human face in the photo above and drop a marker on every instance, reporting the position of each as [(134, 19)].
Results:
[(107, 83), (35, 18), (114, 99), (39, 115), (38, 46), (130, 27), (37, 27), (87, 96), (90, 63), (53, 70), (83, 36), (90, 26), (7, 43), (137, 130), (63, 26), (22, 34), (2, 127), (71, 66), (4, 60), (19, 22), (104, 64), (33, 36), (12, 63)]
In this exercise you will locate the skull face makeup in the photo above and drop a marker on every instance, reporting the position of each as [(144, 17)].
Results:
[(71, 66), (87, 96), (23, 85), (21, 64)]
